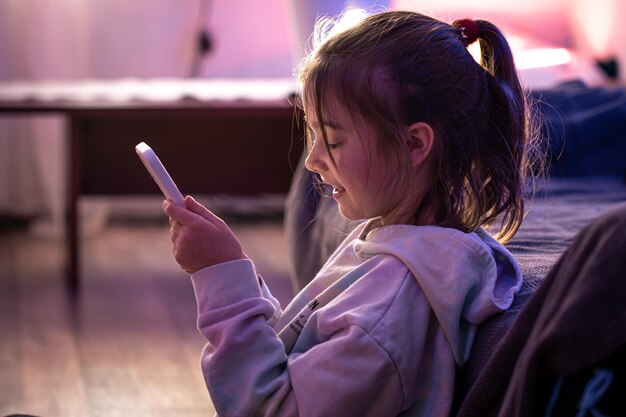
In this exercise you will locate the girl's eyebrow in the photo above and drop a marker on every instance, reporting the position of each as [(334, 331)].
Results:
[(327, 123)]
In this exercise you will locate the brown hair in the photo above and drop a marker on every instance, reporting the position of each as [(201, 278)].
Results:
[(396, 68)]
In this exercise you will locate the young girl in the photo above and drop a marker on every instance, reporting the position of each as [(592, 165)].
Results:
[(428, 146)]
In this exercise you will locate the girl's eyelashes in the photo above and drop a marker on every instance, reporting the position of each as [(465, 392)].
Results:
[(313, 138), (312, 135)]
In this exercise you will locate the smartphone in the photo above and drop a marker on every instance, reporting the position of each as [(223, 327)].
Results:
[(159, 174)]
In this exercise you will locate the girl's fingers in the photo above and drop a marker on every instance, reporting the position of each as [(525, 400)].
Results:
[(189, 215), (179, 214), (197, 208), (199, 238)]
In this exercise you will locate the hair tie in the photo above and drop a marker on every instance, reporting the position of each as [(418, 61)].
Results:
[(468, 30)]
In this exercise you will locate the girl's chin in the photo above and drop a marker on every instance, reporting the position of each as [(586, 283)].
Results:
[(346, 207), (349, 214)]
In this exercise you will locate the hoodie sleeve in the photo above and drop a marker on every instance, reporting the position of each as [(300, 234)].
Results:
[(265, 293), (248, 373)]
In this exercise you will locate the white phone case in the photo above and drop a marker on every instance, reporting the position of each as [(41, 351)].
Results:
[(159, 173)]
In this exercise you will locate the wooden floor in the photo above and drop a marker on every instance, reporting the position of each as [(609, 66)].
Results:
[(129, 345)]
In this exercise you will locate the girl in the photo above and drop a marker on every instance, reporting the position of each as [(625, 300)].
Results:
[(428, 146)]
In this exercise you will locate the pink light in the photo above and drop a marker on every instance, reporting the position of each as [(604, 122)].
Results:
[(328, 26), (542, 58), (530, 57), (595, 21)]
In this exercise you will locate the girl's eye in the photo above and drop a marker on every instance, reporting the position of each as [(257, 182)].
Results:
[(312, 137)]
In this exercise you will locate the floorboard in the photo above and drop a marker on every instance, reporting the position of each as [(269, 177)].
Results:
[(128, 346)]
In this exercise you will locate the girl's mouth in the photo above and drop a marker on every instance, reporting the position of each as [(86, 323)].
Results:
[(337, 191)]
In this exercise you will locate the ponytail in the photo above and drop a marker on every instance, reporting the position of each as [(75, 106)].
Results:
[(510, 121), (499, 167)]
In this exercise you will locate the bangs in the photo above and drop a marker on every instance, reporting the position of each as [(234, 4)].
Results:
[(367, 94)]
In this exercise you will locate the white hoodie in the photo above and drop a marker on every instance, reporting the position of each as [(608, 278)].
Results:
[(378, 332)]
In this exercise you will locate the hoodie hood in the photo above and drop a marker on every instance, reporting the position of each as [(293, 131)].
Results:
[(466, 277)]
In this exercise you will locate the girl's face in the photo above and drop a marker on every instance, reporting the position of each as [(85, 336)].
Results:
[(364, 181)]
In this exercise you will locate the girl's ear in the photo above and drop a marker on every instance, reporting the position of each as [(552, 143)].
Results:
[(420, 142)]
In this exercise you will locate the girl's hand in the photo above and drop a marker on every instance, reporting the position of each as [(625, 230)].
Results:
[(200, 238)]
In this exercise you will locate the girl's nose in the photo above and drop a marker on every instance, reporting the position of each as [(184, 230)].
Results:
[(314, 161)]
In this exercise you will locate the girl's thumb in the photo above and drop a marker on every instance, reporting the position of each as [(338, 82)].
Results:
[(197, 208), (193, 205)]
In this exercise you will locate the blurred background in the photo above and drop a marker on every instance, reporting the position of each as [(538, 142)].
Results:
[(71, 41)]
